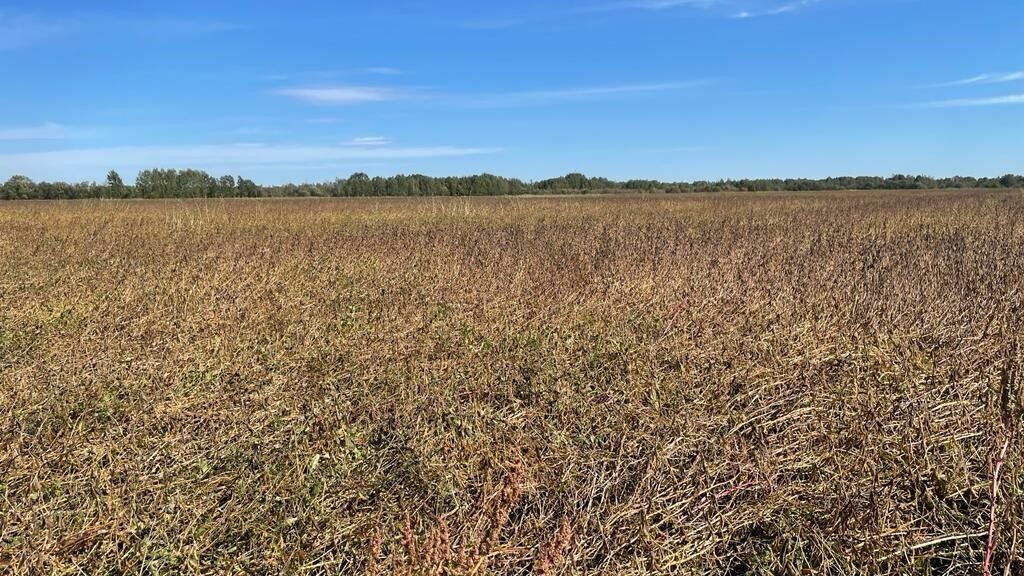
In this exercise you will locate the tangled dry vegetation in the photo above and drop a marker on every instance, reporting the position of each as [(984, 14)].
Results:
[(765, 384)]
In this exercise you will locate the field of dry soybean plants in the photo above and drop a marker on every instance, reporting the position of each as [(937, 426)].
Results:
[(740, 383)]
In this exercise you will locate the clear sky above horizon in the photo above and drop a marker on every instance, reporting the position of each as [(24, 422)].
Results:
[(668, 89)]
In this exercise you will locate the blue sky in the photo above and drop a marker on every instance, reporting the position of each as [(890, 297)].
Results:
[(308, 90)]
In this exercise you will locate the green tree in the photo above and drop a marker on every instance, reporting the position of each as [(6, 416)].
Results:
[(248, 188), (115, 184), (226, 186), (18, 188), (358, 184)]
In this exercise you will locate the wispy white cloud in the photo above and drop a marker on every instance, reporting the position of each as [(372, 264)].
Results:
[(573, 94), (273, 77), (251, 131), (350, 95), (369, 141), (171, 26), (22, 30), (321, 120), (346, 95), (652, 5), (725, 8), (492, 23), (774, 11), (323, 75), (382, 70), (47, 131), (214, 157), (973, 102), (595, 8), (997, 78), (733, 8)]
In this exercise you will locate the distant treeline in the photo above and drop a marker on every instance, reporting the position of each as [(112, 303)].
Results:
[(198, 184)]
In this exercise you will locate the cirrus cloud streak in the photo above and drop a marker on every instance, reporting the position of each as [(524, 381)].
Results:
[(975, 102), (221, 157)]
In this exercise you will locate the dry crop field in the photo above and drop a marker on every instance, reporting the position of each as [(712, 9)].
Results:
[(735, 383)]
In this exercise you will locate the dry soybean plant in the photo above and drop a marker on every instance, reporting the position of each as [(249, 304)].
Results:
[(740, 383)]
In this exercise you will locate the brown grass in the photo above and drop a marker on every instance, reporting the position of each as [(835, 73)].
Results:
[(766, 384)]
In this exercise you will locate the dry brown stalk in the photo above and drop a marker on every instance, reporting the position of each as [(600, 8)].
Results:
[(698, 384), (996, 470)]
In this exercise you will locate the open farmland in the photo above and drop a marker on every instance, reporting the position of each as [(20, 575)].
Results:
[(755, 383)]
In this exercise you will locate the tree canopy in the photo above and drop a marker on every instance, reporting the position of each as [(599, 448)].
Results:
[(171, 183)]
